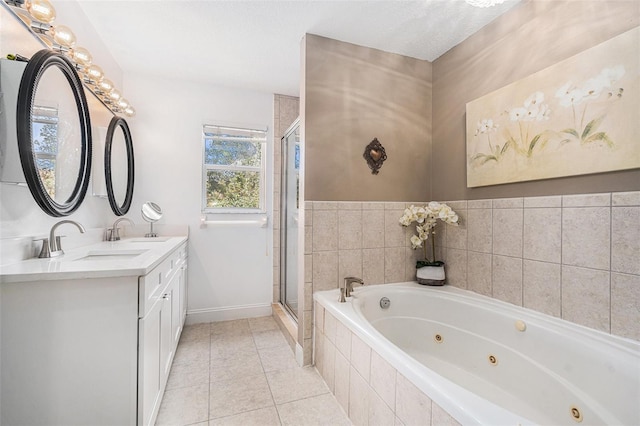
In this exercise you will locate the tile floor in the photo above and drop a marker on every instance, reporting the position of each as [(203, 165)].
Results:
[(243, 373)]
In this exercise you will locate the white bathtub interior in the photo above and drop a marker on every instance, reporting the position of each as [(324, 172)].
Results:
[(484, 360)]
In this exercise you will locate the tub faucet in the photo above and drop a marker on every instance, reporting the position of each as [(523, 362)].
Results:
[(51, 246), (347, 287), (113, 232)]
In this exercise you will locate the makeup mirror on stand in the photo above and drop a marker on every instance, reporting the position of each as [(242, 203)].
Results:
[(151, 212)]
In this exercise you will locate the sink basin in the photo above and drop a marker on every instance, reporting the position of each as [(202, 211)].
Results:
[(111, 255)]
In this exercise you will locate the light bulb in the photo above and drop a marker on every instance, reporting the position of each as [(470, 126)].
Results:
[(41, 10), (95, 73), (123, 103), (81, 56), (130, 111), (105, 85), (63, 36), (115, 95)]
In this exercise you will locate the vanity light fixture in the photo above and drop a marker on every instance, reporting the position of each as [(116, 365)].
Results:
[(38, 16), (484, 3)]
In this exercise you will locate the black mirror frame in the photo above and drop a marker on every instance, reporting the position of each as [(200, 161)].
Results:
[(113, 125), (38, 64)]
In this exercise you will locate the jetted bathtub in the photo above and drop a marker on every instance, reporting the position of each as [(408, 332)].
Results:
[(489, 362)]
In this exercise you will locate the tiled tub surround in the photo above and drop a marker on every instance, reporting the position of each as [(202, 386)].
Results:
[(386, 363), (576, 257)]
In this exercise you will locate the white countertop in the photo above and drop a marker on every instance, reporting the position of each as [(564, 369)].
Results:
[(127, 257)]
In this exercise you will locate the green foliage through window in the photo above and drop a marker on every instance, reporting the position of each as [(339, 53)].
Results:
[(233, 168)]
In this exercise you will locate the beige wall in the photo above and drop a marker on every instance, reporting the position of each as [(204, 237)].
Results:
[(351, 95), (526, 39)]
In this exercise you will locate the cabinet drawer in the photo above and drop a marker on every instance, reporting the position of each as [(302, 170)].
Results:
[(152, 285)]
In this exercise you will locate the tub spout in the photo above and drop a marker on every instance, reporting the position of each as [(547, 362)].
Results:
[(348, 285)]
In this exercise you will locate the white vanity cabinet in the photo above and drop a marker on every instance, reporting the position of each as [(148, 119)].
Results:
[(160, 325), (90, 344)]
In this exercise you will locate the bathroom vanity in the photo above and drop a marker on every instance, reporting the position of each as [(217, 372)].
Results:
[(89, 337)]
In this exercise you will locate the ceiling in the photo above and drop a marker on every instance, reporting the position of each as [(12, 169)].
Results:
[(256, 44)]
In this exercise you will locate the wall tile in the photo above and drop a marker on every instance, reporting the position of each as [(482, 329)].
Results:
[(373, 205), (379, 413), (343, 340), (508, 203), (536, 202), (507, 279), (456, 236), (318, 351), (325, 270), (507, 232), (308, 239), (586, 200), (395, 206), (349, 229), (625, 305), (457, 205), (360, 357), (342, 370), (586, 297), (373, 266), (308, 213), (383, 379), (349, 205), (541, 287), (456, 268), (318, 316), (479, 273), (308, 267), (308, 294), (631, 198), (393, 231), (373, 228), (325, 230), (479, 230), (325, 205), (330, 326), (625, 240), (542, 239), (586, 237), (329, 364), (439, 417), (349, 264), (358, 400), (412, 406), (394, 264), (479, 204)]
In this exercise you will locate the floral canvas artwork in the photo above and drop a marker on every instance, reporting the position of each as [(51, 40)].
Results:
[(579, 116)]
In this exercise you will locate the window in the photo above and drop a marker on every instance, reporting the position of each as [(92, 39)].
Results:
[(233, 169), (45, 145)]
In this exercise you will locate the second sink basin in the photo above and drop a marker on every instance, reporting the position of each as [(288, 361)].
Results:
[(111, 254)]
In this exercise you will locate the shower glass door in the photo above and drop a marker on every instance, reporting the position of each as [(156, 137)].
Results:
[(289, 208)]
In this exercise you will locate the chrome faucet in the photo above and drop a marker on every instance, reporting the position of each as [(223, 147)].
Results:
[(51, 247), (347, 287), (112, 233)]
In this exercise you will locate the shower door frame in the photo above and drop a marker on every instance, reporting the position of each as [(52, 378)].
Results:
[(284, 155)]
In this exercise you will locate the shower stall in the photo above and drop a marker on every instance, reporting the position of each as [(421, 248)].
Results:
[(290, 260)]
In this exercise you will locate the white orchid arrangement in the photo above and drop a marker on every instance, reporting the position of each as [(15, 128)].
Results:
[(427, 218)]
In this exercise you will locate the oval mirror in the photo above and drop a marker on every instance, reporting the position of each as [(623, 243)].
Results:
[(151, 212), (119, 166), (54, 133)]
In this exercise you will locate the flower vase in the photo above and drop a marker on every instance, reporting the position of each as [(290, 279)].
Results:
[(430, 273)]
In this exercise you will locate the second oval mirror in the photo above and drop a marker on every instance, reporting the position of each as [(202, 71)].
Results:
[(119, 166)]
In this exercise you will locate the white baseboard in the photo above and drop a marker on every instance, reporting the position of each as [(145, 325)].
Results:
[(197, 316), (299, 355)]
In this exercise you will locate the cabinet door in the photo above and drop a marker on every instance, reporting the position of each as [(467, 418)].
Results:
[(183, 293), (166, 333), (176, 312), (149, 381)]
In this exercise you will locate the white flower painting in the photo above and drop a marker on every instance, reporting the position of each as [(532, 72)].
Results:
[(579, 116)]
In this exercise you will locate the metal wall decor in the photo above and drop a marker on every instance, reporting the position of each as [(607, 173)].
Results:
[(375, 155)]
